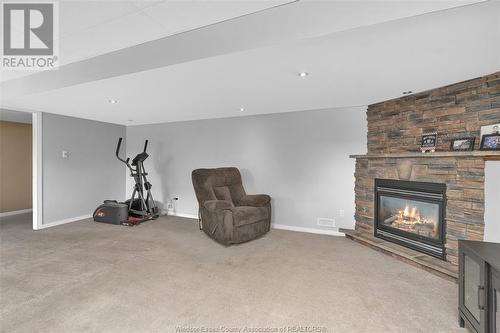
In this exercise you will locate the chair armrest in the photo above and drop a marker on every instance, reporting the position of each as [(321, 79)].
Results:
[(213, 205), (255, 200)]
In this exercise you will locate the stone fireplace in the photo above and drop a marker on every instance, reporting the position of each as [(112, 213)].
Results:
[(455, 179)]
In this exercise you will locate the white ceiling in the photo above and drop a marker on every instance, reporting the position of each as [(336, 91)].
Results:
[(120, 24), (381, 54), (90, 28)]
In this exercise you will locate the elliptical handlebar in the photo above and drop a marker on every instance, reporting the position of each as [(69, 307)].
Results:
[(118, 146), (141, 157), (118, 152)]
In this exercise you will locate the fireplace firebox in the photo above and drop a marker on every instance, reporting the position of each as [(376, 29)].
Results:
[(411, 214)]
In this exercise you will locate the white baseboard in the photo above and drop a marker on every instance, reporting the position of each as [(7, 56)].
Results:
[(276, 226), (189, 216), (308, 230), (16, 212), (64, 221)]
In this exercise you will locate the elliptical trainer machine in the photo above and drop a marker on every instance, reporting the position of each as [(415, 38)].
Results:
[(141, 206)]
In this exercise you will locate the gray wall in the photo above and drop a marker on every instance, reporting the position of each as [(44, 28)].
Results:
[(15, 116), (74, 186), (492, 202), (300, 159)]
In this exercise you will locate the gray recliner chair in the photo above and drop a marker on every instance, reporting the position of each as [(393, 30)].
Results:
[(227, 213)]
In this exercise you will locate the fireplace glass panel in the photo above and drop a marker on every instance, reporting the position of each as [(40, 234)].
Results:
[(413, 216)]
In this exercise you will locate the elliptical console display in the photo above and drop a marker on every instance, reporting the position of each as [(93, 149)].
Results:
[(141, 206)]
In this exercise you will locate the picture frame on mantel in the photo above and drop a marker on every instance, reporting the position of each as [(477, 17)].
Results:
[(429, 142), (488, 129), (490, 142), (462, 144)]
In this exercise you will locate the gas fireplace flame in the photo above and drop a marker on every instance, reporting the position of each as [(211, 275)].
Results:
[(411, 215), (411, 212), (411, 219)]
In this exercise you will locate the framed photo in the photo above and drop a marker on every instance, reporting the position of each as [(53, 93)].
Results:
[(490, 129), (490, 142), (429, 142), (462, 144)]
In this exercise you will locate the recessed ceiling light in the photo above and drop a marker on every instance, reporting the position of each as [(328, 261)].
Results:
[(113, 101), (303, 74), (242, 109)]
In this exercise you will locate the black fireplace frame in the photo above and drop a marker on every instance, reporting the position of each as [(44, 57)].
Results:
[(427, 192)]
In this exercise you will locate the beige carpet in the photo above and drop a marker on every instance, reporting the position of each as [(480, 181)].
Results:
[(166, 276)]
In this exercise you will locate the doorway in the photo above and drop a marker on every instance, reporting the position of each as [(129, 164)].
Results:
[(16, 167)]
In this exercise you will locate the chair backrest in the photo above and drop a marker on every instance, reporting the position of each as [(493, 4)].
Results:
[(217, 184)]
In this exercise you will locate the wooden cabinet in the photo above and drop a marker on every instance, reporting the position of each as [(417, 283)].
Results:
[(494, 301), (479, 286)]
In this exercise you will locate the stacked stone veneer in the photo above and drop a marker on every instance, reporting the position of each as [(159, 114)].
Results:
[(396, 126)]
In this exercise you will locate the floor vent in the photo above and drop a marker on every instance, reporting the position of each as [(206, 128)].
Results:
[(325, 222)]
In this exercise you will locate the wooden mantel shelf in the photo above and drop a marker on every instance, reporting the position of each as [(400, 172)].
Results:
[(486, 155)]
